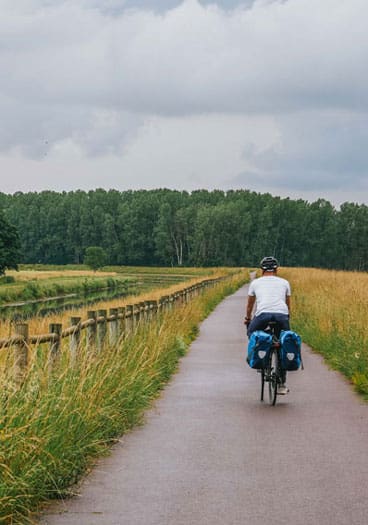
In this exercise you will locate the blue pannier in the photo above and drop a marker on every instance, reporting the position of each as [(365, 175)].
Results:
[(259, 347), (290, 352)]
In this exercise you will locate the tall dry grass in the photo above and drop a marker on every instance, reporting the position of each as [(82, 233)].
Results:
[(40, 325), (330, 310), (53, 427)]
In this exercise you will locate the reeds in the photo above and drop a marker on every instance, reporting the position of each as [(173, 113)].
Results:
[(330, 310), (55, 286), (53, 427), (39, 325)]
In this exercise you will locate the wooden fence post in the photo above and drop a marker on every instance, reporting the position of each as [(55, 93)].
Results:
[(55, 345), (144, 312), (21, 352), (91, 330), (113, 326), (101, 329), (147, 311), (160, 304), (121, 321), (154, 309), (129, 319), (75, 337), (139, 314), (135, 316), (170, 304)]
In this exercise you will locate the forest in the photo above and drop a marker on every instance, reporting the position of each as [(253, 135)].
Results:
[(179, 228)]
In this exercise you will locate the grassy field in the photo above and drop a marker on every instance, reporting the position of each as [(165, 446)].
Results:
[(97, 399), (149, 283), (41, 281), (159, 270), (30, 285), (330, 311)]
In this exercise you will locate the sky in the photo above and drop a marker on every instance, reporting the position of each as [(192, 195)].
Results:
[(266, 95)]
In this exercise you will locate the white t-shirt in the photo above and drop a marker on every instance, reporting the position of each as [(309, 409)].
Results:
[(270, 293)]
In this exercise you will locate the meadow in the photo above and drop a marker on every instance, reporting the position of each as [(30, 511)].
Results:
[(145, 282), (330, 311), (43, 281), (30, 285), (97, 398)]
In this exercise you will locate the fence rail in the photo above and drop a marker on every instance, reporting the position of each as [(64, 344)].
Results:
[(101, 326)]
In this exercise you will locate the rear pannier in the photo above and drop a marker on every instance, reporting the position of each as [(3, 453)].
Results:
[(290, 353), (259, 347)]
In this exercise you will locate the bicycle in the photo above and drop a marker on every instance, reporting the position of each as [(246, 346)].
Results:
[(272, 372)]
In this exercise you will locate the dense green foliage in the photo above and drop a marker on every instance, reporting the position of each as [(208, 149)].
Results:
[(9, 245), (95, 257), (202, 228)]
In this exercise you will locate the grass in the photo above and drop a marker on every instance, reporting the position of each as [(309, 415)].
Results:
[(97, 399), (152, 290), (30, 285), (157, 270), (330, 311)]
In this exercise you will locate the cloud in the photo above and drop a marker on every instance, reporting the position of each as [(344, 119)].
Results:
[(97, 74), (277, 57), (314, 154), (333, 146)]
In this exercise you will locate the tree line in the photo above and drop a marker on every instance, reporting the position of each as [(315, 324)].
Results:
[(201, 228)]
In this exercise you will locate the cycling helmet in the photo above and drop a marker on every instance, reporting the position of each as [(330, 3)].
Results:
[(269, 264)]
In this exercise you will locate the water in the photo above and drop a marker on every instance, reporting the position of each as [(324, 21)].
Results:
[(44, 307)]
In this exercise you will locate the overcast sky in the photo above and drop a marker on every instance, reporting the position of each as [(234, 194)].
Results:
[(268, 95)]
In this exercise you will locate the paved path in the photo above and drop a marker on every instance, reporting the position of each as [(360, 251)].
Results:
[(210, 453)]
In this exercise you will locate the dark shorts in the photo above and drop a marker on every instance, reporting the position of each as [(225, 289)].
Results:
[(261, 321)]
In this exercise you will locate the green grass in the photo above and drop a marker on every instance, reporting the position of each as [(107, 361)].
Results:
[(58, 286), (96, 400), (158, 270)]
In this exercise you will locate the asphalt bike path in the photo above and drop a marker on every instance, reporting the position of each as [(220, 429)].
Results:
[(211, 453)]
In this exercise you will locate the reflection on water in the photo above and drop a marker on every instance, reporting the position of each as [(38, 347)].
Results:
[(51, 306)]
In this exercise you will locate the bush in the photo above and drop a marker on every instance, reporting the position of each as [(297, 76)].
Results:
[(7, 279), (32, 290), (95, 257)]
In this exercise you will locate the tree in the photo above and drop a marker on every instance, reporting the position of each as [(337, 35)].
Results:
[(9, 245), (95, 257)]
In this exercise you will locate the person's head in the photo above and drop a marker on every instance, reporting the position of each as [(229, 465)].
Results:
[(269, 265)]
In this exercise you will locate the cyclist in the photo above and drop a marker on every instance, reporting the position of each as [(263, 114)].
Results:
[(271, 294)]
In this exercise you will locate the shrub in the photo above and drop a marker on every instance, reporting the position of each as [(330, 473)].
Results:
[(7, 279)]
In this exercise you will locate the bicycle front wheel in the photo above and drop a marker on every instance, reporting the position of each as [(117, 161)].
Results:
[(272, 382)]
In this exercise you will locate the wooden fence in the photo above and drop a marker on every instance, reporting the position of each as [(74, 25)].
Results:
[(101, 327)]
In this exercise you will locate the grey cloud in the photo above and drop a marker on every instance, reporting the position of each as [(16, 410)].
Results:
[(98, 132), (116, 7), (92, 72), (193, 59), (325, 151)]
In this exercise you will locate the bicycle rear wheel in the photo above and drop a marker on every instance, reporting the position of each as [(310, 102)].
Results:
[(272, 378), (263, 372)]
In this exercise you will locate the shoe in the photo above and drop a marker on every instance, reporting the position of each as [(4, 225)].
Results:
[(283, 389)]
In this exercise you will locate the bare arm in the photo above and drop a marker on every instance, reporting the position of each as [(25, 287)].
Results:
[(287, 300), (251, 301)]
